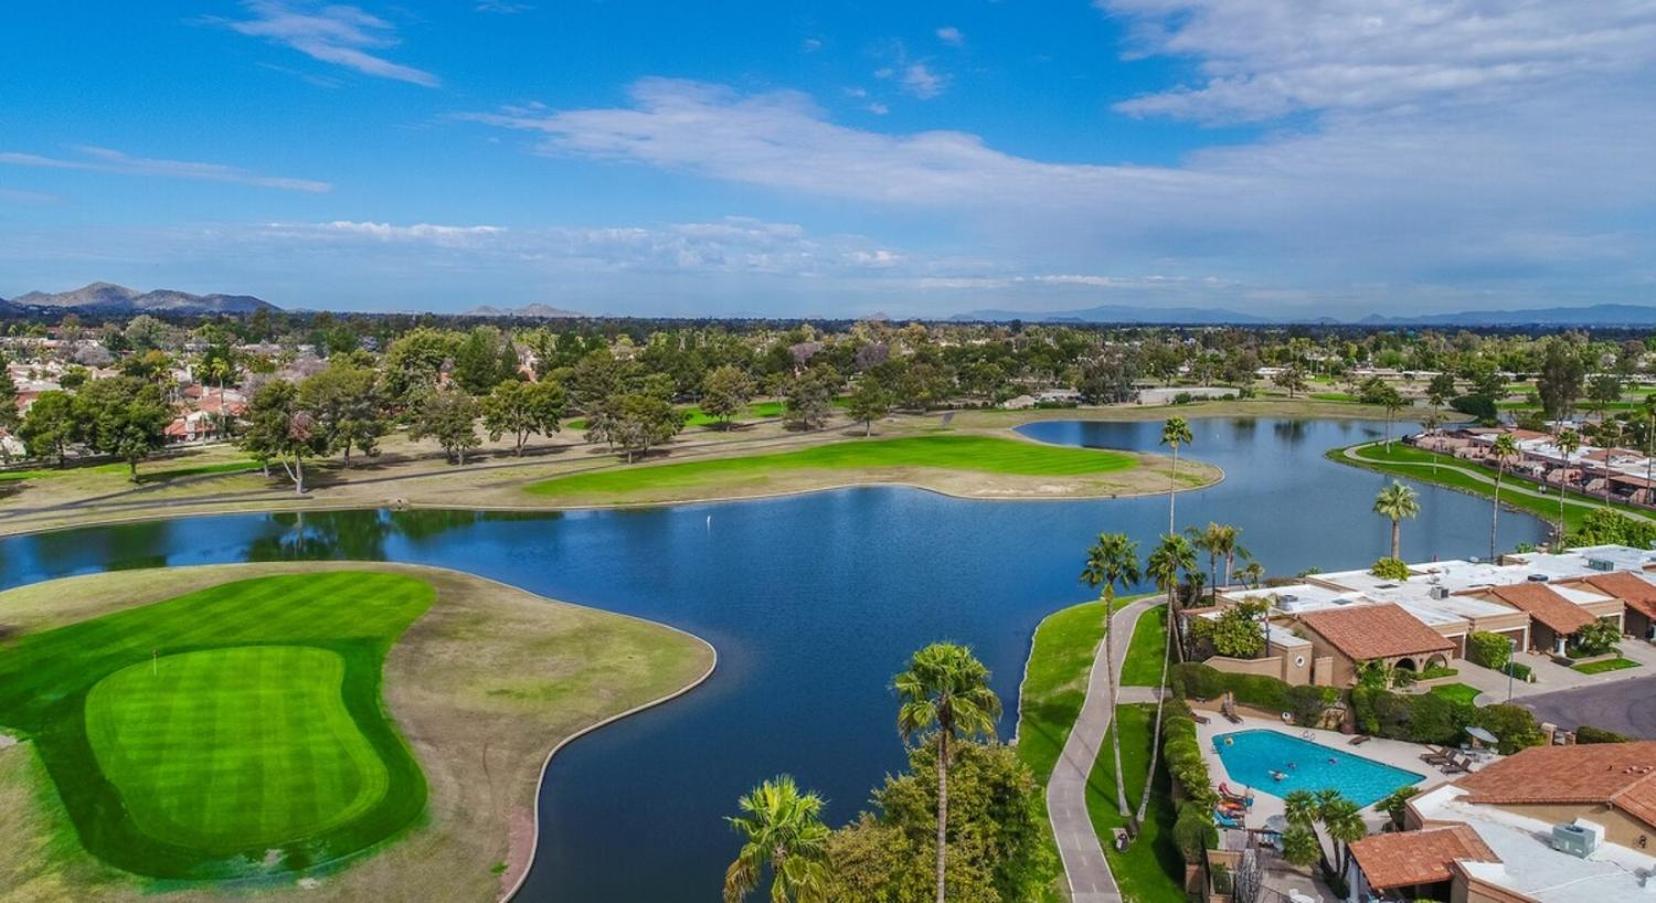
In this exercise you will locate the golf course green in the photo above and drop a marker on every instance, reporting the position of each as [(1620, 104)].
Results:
[(874, 458), (234, 731)]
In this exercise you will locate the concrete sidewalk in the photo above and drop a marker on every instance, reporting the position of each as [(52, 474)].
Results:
[(1081, 849)]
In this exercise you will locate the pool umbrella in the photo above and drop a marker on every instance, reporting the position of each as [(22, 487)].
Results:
[(1276, 824), (1483, 736)]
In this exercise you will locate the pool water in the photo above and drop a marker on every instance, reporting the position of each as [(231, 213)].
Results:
[(1251, 757)]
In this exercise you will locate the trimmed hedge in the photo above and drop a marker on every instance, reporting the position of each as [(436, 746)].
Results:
[(1437, 719), (1305, 703), (1491, 650), (1193, 828), (1589, 734)]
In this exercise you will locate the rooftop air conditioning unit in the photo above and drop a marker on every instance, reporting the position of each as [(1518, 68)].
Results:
[(1577, 839), (1537, 578), (1439, 592), (1601, 564)]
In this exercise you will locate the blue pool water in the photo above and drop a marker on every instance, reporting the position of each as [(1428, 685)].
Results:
[(1251, 756)]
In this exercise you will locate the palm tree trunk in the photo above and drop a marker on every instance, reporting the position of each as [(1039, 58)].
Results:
[(1397, 538), (1172, 489), (1494, 514), (942, 807), (1155, 742), (1115, 724)]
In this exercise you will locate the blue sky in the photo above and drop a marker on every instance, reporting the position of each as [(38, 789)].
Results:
[(1271, 156)]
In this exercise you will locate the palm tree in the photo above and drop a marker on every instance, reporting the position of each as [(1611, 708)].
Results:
[(1503, 450), (945, 689), (1393, 402), (783, 829), (1173, 555), (1111, 562), (1253, 573), (1568, 442), (1175, 432), (1230, 546), (1397, 501), (1343, 821), (1208, 540)]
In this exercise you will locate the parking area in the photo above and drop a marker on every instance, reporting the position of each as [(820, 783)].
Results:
[(1625, 706)]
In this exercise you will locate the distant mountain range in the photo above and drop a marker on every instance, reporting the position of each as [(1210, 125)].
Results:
[(543, 311), (1173, 316), (108, 298), (1600, 315)]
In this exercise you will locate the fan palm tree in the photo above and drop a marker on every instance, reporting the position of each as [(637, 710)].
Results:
[(1343, 821), (1175, 433), (1504, 450), (1393, 402), (945, 690), (782, 829), (1111, 562), (1253, 573), (1209, 540), (1397, 501), (1173, 555), (1568, 442), (1230, 546)]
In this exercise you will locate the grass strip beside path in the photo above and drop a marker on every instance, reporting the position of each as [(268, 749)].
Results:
[(1146, 869), (1143, 667), (1609, 664), (949, 452)]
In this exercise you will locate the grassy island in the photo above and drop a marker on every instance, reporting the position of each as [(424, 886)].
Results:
[(971, 465), (376, 730)]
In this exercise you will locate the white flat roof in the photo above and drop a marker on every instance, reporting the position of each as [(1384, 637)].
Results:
[(1529, 864), (1576, 562), (1415, 593)]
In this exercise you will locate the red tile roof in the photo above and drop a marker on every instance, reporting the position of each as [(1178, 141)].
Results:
[(1544, 604), (1622, 775), (1417, 857), (1364, 632), (1637, 593)]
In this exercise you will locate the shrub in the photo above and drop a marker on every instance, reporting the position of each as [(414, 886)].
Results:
[(1597, 638), (1424, 718), (1199, 681), (1390, 569), (1491, 650), (1513, 725), (1194, 832), (1589, 734), (1519, 671), (1437, 671), (1480, 406), (1607, 526)]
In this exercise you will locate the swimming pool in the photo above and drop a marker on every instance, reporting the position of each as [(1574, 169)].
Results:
[(1251, 757)]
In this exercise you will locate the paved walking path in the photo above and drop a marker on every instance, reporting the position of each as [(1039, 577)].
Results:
[(1081, 849)]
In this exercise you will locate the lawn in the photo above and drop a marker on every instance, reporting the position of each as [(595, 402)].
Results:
[(1143, 667), (1609, 664), (232, 731), (1408, 461), (987, 455), (1457, 692), (1147, 870)]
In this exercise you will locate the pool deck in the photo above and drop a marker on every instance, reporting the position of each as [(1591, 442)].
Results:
[(1266, 804)]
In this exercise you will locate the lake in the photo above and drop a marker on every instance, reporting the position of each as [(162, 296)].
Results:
[(813, 602)]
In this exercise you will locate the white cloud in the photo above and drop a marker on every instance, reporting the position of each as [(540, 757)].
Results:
[(103, 159), (502, 7), (342, 35), (951, 35), (922, 82), (1261, 59)]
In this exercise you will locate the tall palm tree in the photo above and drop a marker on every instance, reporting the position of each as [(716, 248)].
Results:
[(1343, 821), (1175, 432), (1209, 540), (1230, 546), (1173, 555), (1504, 450), (1397, 501), (1568, 442), (783, 830), (1393, 402), (1111, 562), (945, 690)]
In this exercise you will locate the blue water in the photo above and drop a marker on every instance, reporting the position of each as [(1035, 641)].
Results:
[(1251, 757), (813, 602)]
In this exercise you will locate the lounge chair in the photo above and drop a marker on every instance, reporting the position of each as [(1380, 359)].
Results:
[(1359, 740), (1225, 821), (1436, 755), (1199, 718), (1246, 799), (1457, 765)]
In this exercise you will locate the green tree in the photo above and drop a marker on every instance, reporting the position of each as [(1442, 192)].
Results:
[(1175, 433), (782, 831), (1603, 391), (808, 398), (280, 429), (1392, 401), (726, 391), (9, 416), (1440, 389), (1173, 555), (1568, 442), (124, 417), (349, 409), (50, 425), (450, 417), (1235, 632), (869, 402), (483, 359), (523, 410), (1504, 450), (414, 361), (1396, 502), (1559, 382), (1112, 562), (1290, 378), (945, 691)]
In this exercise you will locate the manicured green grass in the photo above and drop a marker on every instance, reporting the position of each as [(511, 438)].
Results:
[(148, 472), (229, 732), (1609, 664), (1143, 667), (1333, 396), (1147, 870), (1457, 692), (1055, 683), (1408, 461), (759, 410), (975, 454)]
